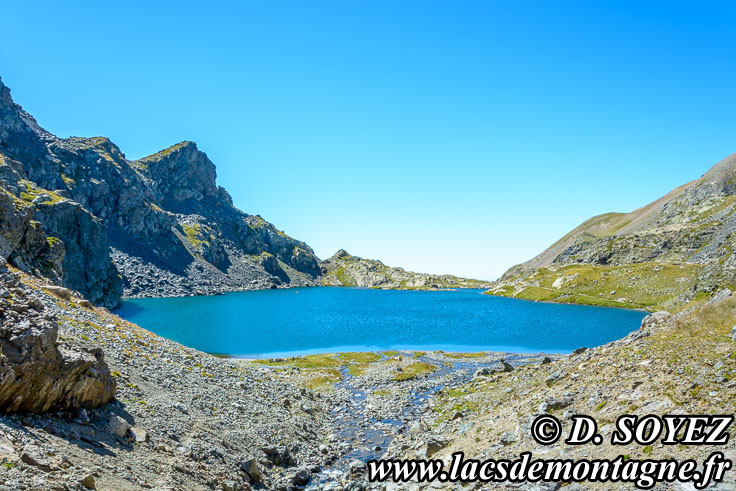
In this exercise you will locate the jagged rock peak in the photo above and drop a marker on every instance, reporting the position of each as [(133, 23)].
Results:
[(20, 127), (181, 172), (102, 224)]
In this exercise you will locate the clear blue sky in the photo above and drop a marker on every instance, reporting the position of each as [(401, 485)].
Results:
[(452, 137)]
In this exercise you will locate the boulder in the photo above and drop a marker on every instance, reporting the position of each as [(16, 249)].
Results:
[(356, 466), (88, 481), (654, 318), (250, 467), (7, 452), (484, 372), (59, 291), (139, 434), (555, 403), (417, 428), (508, 438), (301, 476), (36, 375), (432, 446), (118, 426), (35, 456), (554, 377), (720, 296)]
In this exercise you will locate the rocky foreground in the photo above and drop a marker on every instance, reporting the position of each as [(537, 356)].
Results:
[(182, 419), (151, 413)]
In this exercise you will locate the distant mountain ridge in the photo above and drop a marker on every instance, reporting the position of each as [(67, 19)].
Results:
[(677, 248), (343, 269)]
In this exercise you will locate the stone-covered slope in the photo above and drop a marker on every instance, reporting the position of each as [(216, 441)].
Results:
[(670, 252), (342, 269), (180, 418), (78, 213)]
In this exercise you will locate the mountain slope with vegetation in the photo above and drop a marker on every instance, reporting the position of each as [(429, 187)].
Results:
[(667, 254), (343, 269)]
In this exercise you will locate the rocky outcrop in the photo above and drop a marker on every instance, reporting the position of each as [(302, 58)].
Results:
[(343, 269), (23, 242), (183, 176), (87, 264), (36, 373)]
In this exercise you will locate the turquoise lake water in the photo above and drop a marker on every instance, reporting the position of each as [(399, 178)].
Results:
[(313, 320)]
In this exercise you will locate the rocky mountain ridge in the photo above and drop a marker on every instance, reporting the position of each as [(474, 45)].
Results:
[(675, 250), (343, 269), (77, 212)]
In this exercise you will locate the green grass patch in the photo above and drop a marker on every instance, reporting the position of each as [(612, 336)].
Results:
[(324, 377), (32, 191), (359, 357), (344, 277), (414, 370), (649, 286), (195, 234), (479, 354), (310, 361)]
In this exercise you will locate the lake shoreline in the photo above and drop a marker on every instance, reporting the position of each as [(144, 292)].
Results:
[(301, 322)]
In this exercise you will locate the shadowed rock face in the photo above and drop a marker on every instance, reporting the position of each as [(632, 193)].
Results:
[(24, 243), (157, 226), (87, 253), (36, 374)]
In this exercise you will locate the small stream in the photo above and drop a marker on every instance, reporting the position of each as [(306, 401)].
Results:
[(365, 437)]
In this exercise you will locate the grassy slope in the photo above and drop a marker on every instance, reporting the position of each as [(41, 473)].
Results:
[(647, 286)]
